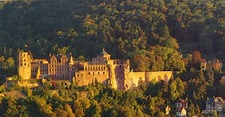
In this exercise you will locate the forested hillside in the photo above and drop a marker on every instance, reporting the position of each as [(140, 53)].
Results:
[(124, 28), (154, 34)]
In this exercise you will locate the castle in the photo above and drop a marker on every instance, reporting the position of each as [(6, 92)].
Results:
[(114, 72)]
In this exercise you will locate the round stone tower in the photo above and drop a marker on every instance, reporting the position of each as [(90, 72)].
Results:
[(24, 66)]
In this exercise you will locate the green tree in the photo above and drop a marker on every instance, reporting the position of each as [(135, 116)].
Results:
[(80, 106), (141, 63), (176, 89), (10, 62)]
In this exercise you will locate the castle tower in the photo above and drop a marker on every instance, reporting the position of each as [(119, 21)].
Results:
[(127, 80), (24, 67), (103, 56), (71, 62), (112, 79), (71, 68)]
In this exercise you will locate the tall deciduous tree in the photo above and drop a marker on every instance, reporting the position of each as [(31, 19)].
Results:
[(141, 62)]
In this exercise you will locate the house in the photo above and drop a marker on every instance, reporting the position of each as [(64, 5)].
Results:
[(181, 108), (214, 104)]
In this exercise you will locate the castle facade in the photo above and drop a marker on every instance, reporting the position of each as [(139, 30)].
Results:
[(102, 69)]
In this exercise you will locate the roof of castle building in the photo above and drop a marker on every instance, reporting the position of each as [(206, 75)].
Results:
[(59, 56), (103, 52), (183, 102), (43, 61)]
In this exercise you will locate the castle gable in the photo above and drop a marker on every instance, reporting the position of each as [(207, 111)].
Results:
[(60, 58), (53, 58)]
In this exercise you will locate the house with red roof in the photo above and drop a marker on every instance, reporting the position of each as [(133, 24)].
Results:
[(181, 108)]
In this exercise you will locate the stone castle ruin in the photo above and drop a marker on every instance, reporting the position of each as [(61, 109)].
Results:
[(102, 69)]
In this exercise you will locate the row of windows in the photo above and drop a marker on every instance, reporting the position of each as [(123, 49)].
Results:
[(24, 60), (89, 73), (216, 105), (51, 70), (60, 75), (58, 65), (23, 55), (59, 70), (115, 62), (55, 62), (179, 104), (40, 73), (24, 64), (79, 75), (43, 70), (214, 108), (64, 75), (96, 59), (42, 67), (94, 68)]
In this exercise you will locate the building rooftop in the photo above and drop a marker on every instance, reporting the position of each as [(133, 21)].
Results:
[(215, 100), (103, 52)]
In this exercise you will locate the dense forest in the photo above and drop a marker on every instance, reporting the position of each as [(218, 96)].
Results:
[(146, 100), (124, 28), (154, 34)]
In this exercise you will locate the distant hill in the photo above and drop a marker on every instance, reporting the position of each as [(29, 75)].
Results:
[(124, 28)]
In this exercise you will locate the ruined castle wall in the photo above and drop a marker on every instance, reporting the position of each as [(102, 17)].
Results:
[(91, 77), (159, 75), (118, 73), (135, 78)]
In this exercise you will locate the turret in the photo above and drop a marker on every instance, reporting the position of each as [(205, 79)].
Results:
[(104, 55), (71, 60), (38, 75), (112, 79)]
